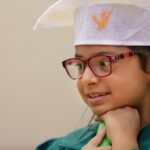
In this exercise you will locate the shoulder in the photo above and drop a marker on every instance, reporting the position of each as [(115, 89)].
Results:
[(144, 138), (73, 140)]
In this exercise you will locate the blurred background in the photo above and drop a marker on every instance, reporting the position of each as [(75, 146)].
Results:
[(37, 99)]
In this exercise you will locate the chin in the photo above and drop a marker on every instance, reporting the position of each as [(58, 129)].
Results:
[(101, 110)]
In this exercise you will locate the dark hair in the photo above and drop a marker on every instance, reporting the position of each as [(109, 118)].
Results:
[(144, 54)]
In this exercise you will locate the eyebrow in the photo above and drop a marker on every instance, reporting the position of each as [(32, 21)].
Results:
[(98, 53), (78, 56)]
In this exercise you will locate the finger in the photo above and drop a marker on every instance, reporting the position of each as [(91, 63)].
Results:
[(98, 138), (105, 148), (86, 147)]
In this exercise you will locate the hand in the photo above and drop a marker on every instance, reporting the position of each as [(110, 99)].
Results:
[(92, 144), (122, 127)]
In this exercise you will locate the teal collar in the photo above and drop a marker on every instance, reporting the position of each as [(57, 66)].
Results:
[(77, 139), (144, 135)]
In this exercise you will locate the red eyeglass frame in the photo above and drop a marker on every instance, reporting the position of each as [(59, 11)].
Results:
[(112, 59)]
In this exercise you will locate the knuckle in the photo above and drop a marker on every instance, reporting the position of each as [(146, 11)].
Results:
[(128, 108)]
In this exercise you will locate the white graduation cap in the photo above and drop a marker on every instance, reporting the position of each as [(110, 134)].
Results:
[(101, 22)]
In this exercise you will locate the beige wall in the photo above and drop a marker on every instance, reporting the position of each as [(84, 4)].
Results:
[(37, 99)]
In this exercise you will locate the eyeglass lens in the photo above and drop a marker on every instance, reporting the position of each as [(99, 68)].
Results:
[(100, 65)]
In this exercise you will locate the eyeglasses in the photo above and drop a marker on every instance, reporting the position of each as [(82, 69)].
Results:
[(100, 65)]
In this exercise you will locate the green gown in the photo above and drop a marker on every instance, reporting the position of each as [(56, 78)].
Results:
[(78, 138)]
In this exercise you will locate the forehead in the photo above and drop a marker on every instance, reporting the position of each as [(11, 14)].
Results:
[(89, 50)]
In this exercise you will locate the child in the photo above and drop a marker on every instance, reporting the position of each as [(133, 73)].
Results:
[(112, 70)]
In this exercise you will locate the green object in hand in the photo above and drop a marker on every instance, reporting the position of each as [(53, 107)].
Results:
[(105, 141)]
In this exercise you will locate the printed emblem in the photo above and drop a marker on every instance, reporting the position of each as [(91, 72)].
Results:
[(101, 19)]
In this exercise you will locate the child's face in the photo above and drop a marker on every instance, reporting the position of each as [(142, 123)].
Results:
[(127, 85)]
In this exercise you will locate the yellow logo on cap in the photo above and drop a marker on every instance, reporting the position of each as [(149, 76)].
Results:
[(101, 19)]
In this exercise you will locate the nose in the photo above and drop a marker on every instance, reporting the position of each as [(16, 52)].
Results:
[(89, 77)]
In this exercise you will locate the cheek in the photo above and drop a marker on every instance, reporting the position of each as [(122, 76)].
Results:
[(81, 90), (129, 89)]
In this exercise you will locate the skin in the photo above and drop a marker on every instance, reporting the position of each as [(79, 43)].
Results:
[(128, 87), (92, 144)]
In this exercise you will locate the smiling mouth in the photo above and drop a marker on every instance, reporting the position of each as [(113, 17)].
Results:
[(97, 97)]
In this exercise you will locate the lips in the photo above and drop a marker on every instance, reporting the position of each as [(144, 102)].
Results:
[(96, 97)]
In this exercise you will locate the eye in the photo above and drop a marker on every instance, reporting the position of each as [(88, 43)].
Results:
[(80, 66), (104, 63)]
